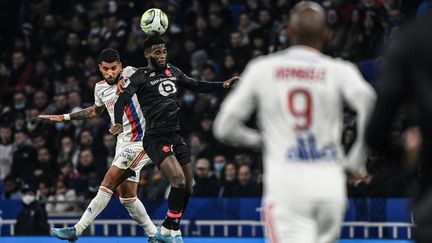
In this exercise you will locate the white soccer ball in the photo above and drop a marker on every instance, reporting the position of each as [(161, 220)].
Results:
[(154, 22)]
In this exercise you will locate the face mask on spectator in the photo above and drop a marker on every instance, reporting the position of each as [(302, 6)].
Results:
[(189, 98), (28, 199), (283, 39), (59, 126), (218, 167), (19, 106)]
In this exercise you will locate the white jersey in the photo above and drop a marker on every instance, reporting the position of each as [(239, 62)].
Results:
[(299, 94), (133, 119)]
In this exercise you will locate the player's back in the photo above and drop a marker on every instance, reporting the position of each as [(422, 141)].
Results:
[(300, 94)]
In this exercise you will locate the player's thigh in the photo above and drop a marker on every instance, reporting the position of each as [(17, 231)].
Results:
[(158, 148), (114, 177), (288, 222), (181, 149), (141, 160), (127, 189), (171, 169), (329, 219)]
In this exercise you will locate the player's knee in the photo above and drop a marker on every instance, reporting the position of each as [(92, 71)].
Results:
[(108, 183), (178, 181)]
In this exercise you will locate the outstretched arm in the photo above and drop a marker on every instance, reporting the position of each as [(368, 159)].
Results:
[(204, 86), (88, 113)]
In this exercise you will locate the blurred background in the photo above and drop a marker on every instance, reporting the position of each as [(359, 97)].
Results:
[(48, 65)]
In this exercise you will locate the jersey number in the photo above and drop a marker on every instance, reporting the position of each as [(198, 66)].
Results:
[(300, 106), (167, 87)]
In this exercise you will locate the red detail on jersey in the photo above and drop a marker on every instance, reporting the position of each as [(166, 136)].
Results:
[(102, 81), (303, 114), (129, 116), (168, 72), (166, 148)]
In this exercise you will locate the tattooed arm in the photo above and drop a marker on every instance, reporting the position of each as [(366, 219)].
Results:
[(88, 113)]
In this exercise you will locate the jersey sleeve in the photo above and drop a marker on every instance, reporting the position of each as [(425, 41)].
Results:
[(98, 102), (131, 87), (359, 96), (197, 85), (236, 109), (128, 72)]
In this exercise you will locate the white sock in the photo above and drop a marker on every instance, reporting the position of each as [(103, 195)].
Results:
[(138, 212), (175, 233), (95, 207), (165, 231)]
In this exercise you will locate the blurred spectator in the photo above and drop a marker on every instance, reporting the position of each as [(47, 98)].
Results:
[(153, 185), (45, 167), (32, 219), (92, 187), (11, 188), (238, 48), (86, 166), (228, 181), (219, 162), (64, 199), (40, 100), (199, 148), (206, 184), (21, 72), (6, 151), (24, 155), (247, 187), (68, 152), (109, 145)]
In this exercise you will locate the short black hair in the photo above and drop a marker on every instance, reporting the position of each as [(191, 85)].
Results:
[(151, 41), (109, 55)]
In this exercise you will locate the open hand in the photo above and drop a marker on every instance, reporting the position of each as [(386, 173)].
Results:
[(116, 129), (228, 83), (54, 118)]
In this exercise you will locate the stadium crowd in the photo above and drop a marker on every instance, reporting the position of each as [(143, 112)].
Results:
[(48, 65)]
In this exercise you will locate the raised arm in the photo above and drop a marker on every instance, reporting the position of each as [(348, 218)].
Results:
[(200, 86), (88, 113)]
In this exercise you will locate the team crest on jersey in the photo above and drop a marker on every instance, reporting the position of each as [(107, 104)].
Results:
[(166, 148), (168, 72)]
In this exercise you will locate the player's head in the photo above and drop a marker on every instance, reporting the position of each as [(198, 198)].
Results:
[(155, 51), (110, 65), (307, 25)]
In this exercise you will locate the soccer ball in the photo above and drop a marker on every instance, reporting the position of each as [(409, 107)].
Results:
[(154, 22)]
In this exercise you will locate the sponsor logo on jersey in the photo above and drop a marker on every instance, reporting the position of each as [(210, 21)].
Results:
[(166, 148), (89, 210), (156, 81), (168, 73), (307, 150)]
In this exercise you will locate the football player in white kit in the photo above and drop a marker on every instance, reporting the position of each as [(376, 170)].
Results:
[(130, 156), (299, 94)]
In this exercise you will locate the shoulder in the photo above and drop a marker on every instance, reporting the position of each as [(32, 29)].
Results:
[(99, 85)]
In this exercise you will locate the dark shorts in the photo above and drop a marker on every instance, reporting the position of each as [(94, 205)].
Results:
[(159, 146)]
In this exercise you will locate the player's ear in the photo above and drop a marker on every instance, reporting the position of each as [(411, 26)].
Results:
[(120, 65), (327, 33), (100, 67)]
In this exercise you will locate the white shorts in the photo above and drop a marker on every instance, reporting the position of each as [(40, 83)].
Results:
[(304, 203), (305, 222), (130, 155)]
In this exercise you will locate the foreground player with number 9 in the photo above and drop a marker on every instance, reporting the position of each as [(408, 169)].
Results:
[(299, 94), (157, 87)]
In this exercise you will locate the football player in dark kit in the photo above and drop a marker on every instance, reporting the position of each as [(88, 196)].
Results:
[(157, 87), (407, 79)]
